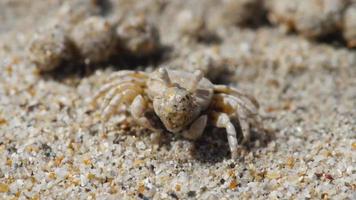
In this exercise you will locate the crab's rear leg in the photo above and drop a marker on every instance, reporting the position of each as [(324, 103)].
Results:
[(128, 81), (124, 97), (127, 73), (114, 102), (233, 106), (235, 92)]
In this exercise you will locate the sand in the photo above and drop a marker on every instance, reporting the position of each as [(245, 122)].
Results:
[(50, 146)]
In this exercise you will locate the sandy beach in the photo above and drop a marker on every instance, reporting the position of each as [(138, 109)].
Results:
[(51, 146)]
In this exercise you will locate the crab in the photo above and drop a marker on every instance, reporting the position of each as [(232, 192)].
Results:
[(179, 102)]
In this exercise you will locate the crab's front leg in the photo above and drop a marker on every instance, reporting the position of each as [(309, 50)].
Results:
[(145, 117), (222, 120), (196, 129)]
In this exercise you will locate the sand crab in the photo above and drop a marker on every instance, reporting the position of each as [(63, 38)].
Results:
[(180, 102)]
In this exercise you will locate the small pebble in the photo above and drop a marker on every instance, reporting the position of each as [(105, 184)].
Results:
[(94, 39), (138, 37), (49, 48)]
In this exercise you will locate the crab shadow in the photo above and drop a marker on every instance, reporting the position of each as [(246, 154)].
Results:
[(213, 146), (335, 40)]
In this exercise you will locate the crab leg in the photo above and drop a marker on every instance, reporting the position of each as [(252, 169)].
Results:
[(117, 89), (222, 120), (117, 100), (109, 110), (138, 109), (244, 125), (240, 102), (109, 86), (123, 97), (235, 92), (127, 73), (243, 115), (127, 79), (196, 129)]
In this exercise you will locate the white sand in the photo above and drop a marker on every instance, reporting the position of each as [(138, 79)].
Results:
[(50, 146)]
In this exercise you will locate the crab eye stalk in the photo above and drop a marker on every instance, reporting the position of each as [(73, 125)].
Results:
[(164, 76), (198, 75)]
